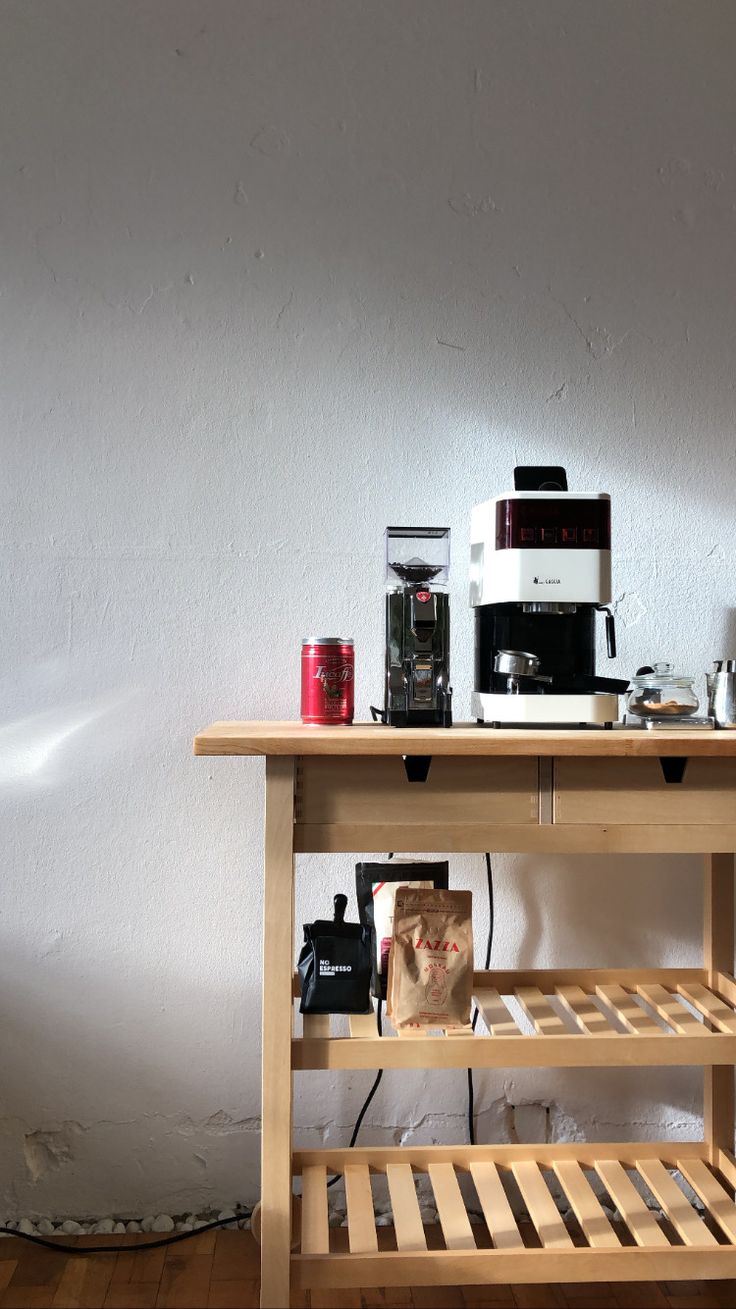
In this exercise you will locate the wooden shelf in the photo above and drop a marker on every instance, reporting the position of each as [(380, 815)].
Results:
[(674, 1240), (294, 738), (559, 1018)]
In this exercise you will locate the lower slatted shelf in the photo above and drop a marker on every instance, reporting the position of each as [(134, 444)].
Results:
[(551, 1018), (632, 1212)]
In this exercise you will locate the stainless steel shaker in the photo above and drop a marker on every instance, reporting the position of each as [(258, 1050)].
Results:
[(722, 692)]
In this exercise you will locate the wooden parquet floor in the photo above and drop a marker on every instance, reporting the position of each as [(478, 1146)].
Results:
[(219, 1270)]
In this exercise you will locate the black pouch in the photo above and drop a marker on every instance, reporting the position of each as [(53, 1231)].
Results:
[(376, 885), (335, 965)]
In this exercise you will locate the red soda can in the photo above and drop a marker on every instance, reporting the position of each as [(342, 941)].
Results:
[(328, 687)]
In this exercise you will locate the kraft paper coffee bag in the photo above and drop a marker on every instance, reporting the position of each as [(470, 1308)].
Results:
[(430, 970)]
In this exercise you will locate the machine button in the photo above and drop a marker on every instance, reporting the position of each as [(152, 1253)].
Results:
[(590, 536), (569, 535), (548, 535), (528, 535)]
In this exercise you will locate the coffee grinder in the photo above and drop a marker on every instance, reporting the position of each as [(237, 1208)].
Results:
[(540, 571), (418, 692)]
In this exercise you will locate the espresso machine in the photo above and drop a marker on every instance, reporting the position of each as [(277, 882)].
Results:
[(540, 572), (418, 692)]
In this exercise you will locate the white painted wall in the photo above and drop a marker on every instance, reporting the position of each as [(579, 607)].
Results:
[(274, 275)]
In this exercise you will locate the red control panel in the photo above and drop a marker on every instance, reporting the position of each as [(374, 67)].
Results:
[(560, 524)]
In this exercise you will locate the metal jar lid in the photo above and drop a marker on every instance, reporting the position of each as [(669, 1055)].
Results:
[(659, 675), (327, 640)]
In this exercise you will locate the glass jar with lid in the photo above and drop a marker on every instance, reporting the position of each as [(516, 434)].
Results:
[(657, 692)]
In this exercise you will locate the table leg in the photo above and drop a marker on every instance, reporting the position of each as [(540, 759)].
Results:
[(718, 955), (276, 1083)]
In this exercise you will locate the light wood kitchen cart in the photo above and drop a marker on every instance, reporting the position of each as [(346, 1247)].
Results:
[(348, 789)]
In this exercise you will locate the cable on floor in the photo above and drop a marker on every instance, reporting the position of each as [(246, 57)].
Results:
[(86, 1250)]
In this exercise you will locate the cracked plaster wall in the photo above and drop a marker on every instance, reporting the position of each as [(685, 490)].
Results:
[(274, 275)]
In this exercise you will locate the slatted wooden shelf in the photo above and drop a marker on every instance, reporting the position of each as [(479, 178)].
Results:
[(556, 1018), (674, 1214)]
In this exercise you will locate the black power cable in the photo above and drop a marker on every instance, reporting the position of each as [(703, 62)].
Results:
[(379, 1074), (368, 1098), (489, 944), (86, 1250)]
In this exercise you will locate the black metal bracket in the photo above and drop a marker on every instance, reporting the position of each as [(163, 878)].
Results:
[(417, 766), (673, 767)]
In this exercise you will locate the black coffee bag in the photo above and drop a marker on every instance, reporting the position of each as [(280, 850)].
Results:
[(335, 965), (376, 886)]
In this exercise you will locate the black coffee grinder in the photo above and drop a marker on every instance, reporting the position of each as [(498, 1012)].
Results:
[(418, 692)]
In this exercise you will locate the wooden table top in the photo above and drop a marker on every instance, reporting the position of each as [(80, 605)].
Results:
[(294, 738)]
